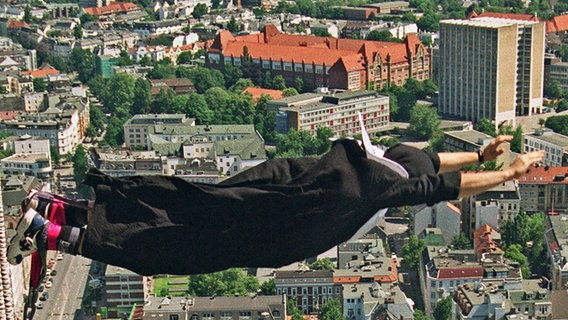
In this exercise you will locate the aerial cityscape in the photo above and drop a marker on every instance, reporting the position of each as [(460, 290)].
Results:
[(203, 90)]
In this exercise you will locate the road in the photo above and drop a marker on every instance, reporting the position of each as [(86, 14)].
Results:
[(66, 294)]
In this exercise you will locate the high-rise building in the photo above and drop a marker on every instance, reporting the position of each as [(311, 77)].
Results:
[(491, 66)]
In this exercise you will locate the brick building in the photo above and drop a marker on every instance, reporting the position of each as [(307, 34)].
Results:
[(324, 62)]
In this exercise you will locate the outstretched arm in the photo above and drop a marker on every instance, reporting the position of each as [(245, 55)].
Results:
[(475, 183), (453, 161)]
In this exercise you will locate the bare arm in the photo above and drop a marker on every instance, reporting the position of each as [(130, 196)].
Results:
[(475, 183), (453, 161)]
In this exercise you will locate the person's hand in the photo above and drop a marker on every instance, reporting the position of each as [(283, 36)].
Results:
[(494, 149), (523, 162)]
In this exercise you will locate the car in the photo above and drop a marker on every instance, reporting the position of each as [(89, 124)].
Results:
[(44, 296), (39, 305), (54, 272), (60, 257), (40, 288), (48, 284)]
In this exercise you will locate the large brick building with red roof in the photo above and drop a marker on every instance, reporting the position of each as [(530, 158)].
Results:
[(324, 62)]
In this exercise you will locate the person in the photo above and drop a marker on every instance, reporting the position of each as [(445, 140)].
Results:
[(273, 214)]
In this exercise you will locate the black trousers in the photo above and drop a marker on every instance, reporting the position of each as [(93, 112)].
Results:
[(271, 215)]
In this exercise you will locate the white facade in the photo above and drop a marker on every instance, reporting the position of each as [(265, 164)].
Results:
[(555, 146), (31, 164)]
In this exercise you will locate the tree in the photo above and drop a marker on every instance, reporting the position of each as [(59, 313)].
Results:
[(430, 22), (558, 124), (443, 309), (197, 108), (268, 288), (241, 85), (486, 126), (331, 310), (321, 33), (96, 118), (39, 85), (460, 242), (203, 79), (85, 17), (554, 90), (322, 264), (54, 153), (267, 82), (28, 18), (145, 61), (142, 100), (383, 35), (419, 315), (122, 93), (184, 57), (162, 71), (562, 105), (79, 164), (278, 82), (289, 92), (514, 252), (199, 11), (124, 59), (563, 52), (424, 121), (229, 282), (299, 84), (293, 311), (232, 25), (232, 74), (78, 31), (411, 252), (82, 61), (114, 135)]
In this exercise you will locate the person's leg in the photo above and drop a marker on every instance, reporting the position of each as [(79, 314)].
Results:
[(75, 211)]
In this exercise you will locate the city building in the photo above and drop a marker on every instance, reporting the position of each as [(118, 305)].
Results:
[(123, 289), (354, 253), (336, 111), (64, 123), (555, 146), (556, 238), (321, 61), (309, 289), (471, 141), (31, 164), (556, 71), (443, 215), (136, 128), (493, 67), (492, 207), (120, 162), (225, 308), (178, 85), (373, 300), (544, 189), (442, 271), (502, 299), (486, 241), (155, 28)]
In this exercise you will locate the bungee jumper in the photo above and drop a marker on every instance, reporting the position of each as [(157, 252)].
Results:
[(271, 215)]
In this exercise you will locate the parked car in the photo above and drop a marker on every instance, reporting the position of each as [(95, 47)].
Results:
[(48, 284), (39, 305), (44, 296), (54, 272)]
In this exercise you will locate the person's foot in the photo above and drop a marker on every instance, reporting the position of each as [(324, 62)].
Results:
[(25, 241)]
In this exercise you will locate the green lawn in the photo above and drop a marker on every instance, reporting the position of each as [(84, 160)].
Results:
[(172, 285)]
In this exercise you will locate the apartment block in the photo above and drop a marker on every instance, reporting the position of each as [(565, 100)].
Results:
[(544, 189), (64, 123), (354, 253), (491, 66), (555, 146), (120, 162), (472, 140), (136, 128), (556, 238), (373, 300), (208, 308), (557, 71), (336, 111), (486, 241), (123, 289), (502, 299), (323, 62), (443, 215), (310, 289), (30, 164)]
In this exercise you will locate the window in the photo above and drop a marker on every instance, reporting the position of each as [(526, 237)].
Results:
[(276, 314), (226, 315), (244, 314), (208, 315)]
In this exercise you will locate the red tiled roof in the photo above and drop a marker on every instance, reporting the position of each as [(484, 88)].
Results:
[(115, 7), (514, 16), (460, 273), (557, 24), (453, 207), (40, 73), (544, 175), (483, 241), (350, 279), (16, 24), (8, 115), (257, 92), (318, 50)]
